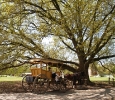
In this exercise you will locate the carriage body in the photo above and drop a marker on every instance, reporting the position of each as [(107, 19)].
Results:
[(38, 71)]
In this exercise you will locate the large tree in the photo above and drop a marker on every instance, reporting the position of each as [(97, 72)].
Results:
[(75, 32)]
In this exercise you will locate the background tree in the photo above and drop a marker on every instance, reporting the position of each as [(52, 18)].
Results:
[(81, 31)]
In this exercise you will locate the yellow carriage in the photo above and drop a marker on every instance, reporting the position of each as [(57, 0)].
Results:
[(40, 79)]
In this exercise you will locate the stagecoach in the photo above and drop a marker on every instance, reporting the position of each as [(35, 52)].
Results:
[(41, 78)]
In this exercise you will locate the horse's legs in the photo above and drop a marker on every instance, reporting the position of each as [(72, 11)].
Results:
[(74, 83)]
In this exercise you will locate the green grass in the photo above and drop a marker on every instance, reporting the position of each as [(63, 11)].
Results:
[(16, 78), (99, 78), (11, 78)]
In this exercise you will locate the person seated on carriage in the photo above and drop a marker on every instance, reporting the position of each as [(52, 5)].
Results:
[(53, 76), (59, 76)]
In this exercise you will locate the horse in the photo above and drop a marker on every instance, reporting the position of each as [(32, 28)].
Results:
[(78, 76)]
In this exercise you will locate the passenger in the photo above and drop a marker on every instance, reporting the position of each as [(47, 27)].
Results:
[(53, 77), (62, 74), (57, 77)]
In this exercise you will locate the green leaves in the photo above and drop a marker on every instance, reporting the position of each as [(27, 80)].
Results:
[(81, 28)]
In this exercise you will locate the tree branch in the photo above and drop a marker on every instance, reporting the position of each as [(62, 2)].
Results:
[(104, 57), (67, 45), (106, 67), (56, 5), (110, 12), (35, 5)]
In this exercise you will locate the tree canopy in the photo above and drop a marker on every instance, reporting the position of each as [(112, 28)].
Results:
[(76, 32)]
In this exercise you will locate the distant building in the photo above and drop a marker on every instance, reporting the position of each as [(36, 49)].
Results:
[(89, 71), (92, 71)]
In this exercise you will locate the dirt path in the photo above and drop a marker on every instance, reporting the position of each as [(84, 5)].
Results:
[(15, 92), (90, 94)]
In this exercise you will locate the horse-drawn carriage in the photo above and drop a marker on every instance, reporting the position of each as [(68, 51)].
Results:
[(42, 77)]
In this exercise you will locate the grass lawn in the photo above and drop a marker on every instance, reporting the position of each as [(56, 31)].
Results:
[(99, 78), (10, 78), (16, 78)]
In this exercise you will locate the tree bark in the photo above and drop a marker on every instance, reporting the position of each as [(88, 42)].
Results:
[(84, 68)]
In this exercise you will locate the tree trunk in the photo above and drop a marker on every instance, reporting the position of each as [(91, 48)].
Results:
[(87, 74), (84, 68)]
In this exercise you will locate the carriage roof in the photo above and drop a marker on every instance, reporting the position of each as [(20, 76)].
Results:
[(51, 62), (43, 60)]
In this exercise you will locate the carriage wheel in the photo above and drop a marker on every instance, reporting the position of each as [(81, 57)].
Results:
[(25, 85), (69, 84), (53, 85), (62, 87), (40, 84)]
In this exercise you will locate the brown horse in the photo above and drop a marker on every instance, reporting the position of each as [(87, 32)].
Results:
[(78, 76)]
